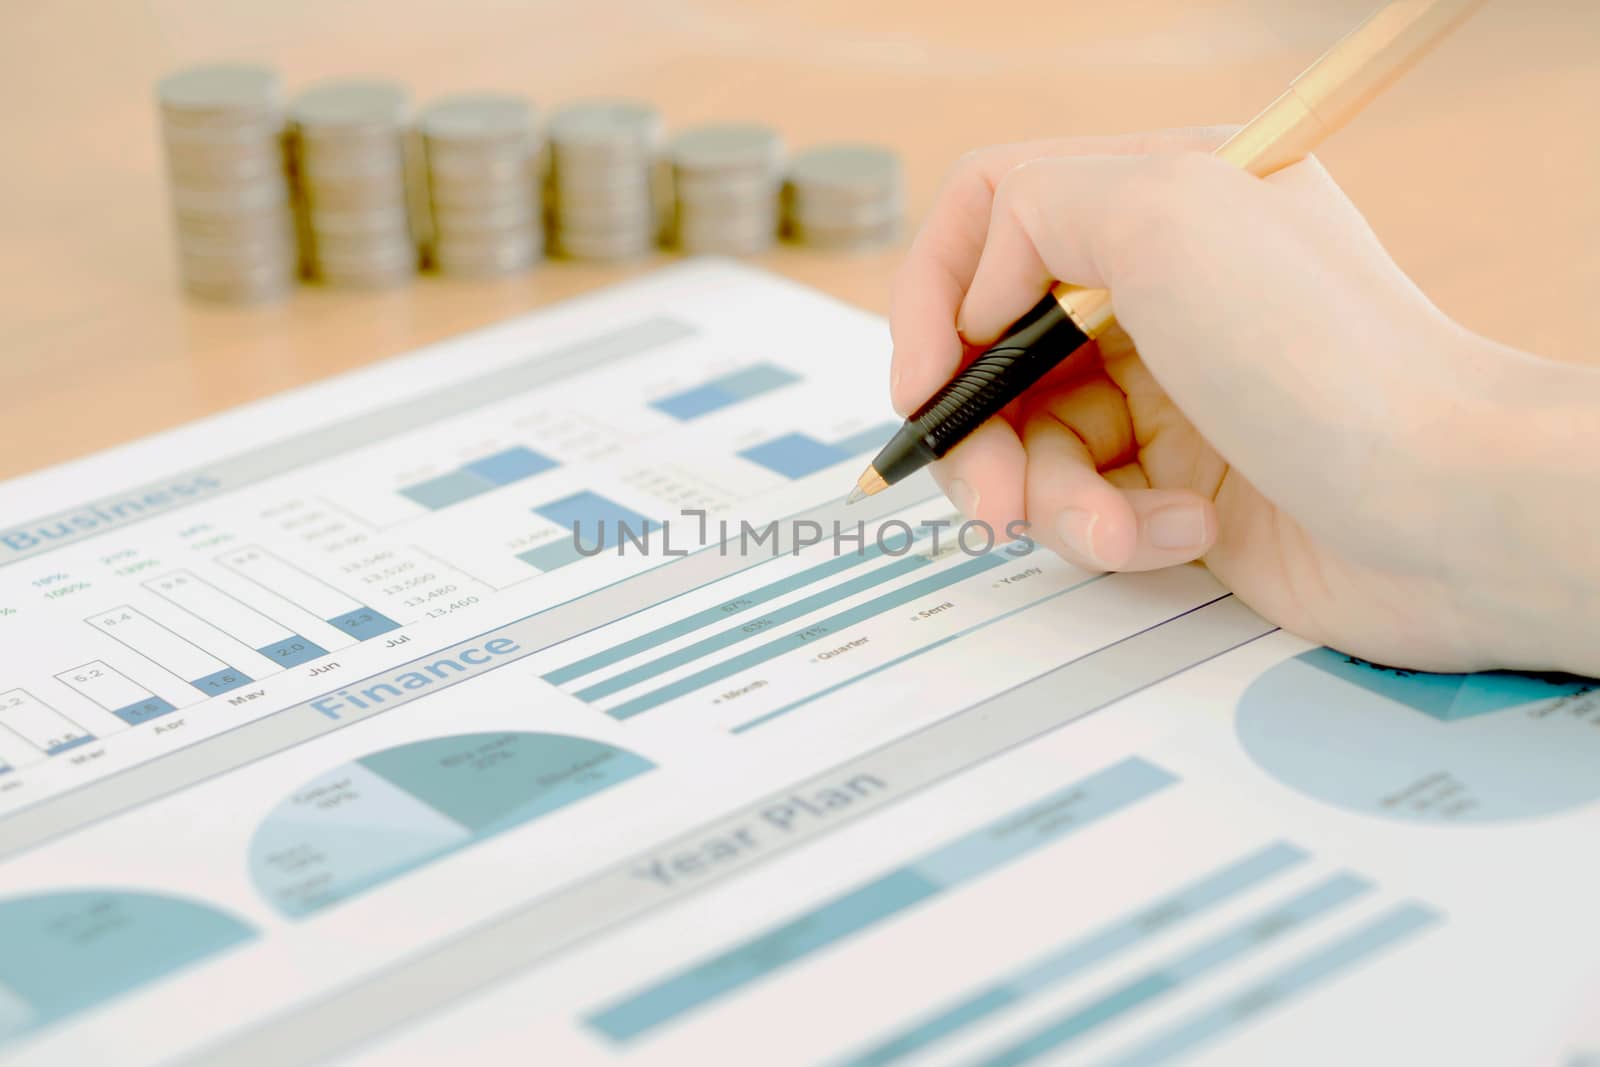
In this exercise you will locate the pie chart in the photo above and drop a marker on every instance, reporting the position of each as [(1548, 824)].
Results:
[(374, 819), (62, 953), (1435, 748)]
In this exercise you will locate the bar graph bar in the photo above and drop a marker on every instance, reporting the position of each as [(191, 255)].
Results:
[(962, 860), (757, 627), (595, 521), (236, 618), (116, 692), (797, 455), (1126, 934), (478, 477), (311, 593), (37, 723), (175, 654), (725, 391), (1192, 966), (812, 631), (722, 611), (1294, 980)]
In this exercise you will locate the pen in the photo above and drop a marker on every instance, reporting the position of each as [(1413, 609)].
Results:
[(1320, 101)]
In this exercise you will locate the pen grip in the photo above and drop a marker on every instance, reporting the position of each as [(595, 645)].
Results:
[(1039, 341)]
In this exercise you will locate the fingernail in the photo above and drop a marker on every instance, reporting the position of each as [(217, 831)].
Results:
[(962, 496), (1178, 527), (894, 389), (1076, 529)]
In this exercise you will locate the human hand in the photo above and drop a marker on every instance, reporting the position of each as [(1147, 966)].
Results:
[(1279, 399)]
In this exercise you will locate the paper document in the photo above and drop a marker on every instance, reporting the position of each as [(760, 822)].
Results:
[(537, 692)]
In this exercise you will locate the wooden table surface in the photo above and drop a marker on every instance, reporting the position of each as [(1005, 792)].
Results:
[(1481, 171)]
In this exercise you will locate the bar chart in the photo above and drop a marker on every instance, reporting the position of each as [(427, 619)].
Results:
[(205, 602), (44, 730), (480, 476), (308, 592), (203, 669), (115, 692), (964, 859), (724, 391), (587, 524), (797, 455)]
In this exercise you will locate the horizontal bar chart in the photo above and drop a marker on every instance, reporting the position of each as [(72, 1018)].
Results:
[(797, 455), (592, 524), (235, 618), (813, 631), (962, 860), (308, 592), (173, 653), (478, 477), (1186, 1037), (724, 391), (722, 611), (1173, 976), (39, 724), (1124, 935)]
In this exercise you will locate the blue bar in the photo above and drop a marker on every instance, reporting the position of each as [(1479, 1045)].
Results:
[(1078, 956), (221, 681), (757, 627), (292, 651), (724, 392), (1287, 983), (753, 381), (363, 624), (56, 750), (553, 556), (610, 519), (795, 455), (833, 922), (447, 489), (512, 465), (712, 615), (869, 440), (6, 768), (791, 641), (1051, 819), (1193, 965), (695, 402), (134, 714)]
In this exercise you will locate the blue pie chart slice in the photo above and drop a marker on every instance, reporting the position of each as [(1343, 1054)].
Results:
[(64, 953), (373, 820), (1426, 747)]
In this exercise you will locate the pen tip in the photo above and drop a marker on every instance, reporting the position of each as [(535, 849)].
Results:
[(855, 494)]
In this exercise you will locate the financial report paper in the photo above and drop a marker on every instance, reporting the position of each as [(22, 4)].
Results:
[(534, 697)]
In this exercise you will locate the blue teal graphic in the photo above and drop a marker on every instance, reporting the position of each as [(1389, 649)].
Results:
[(1427, 747), (478, 477), (797, 455), (371, 821), (64, 953), (965, 859), (725, 391)]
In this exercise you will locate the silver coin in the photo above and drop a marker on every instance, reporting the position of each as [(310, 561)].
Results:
[(846, 171), (221, 91), (362, 247), (522, 190), (477, 118), (847, 214), (480, 258), (366, 224), (386, 195), (596, 131), (350, 107), (632, 215), (458, 220), (843, 237), (242, 228), (722, 148), (242, 199), (620, 245), (697, 188), (249, 289)]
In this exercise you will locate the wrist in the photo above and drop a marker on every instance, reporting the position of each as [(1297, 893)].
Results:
[(1521, 535)]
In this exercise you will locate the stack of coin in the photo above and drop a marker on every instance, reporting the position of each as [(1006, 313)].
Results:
[(844, 196), (605, 179), (223, 128), (484, 184), (350, 156), (726, 180)]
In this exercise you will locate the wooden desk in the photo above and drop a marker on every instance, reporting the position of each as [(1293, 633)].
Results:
[(1481, 171)]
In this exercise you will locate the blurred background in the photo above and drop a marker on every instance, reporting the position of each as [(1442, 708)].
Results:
[(1481, 171)]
